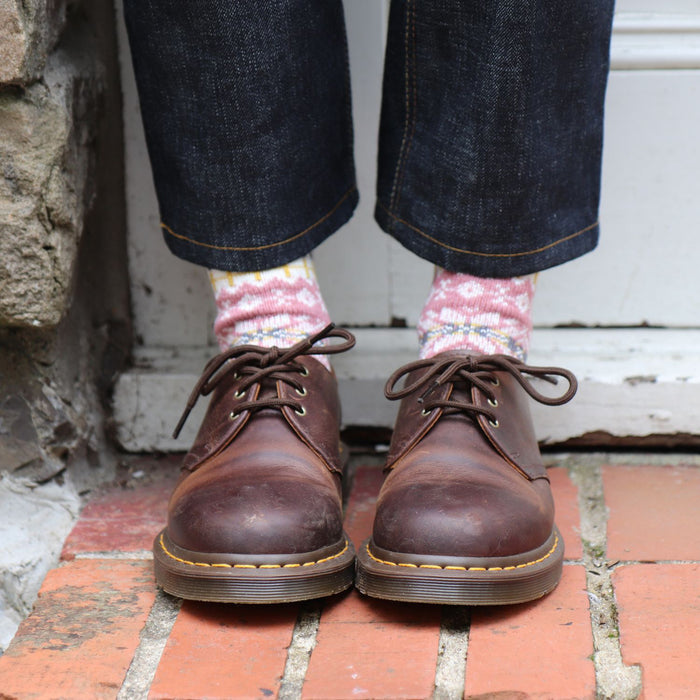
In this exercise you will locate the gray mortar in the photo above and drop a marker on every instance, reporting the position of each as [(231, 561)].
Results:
[(614, 679), (452, 654), (153, 639), (299, 652)]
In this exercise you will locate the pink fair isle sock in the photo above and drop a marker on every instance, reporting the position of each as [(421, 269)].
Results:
[(477, 314), (272, 307)]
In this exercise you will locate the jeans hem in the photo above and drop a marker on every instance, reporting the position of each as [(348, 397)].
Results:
[(492, 264), (241, 258)]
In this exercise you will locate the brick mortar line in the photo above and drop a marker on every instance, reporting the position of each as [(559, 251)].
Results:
[(300, 649), (612, 565), (614, 679), (154, 637), (453, 644), (139, 554)]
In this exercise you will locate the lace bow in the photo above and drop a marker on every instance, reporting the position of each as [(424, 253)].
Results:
[(253, 365), (477, 371)]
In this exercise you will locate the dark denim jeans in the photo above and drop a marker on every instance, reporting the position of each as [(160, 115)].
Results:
[(490, 135)]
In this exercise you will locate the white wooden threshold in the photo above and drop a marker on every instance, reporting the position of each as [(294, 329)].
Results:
[(632, 384)]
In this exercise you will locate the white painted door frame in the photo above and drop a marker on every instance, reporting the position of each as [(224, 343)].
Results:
[(634, 302)]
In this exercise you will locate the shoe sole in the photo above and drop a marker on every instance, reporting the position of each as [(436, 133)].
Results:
[(480, 581), (197, 576)]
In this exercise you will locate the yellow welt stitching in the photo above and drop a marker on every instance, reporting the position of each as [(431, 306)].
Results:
[(464, 568), (333, 556), (251, 566)]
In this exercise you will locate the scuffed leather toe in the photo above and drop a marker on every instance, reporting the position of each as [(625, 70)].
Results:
[(477, 518), (272, 506)]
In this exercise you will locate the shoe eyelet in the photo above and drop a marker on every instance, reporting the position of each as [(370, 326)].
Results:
[(300, 413), (494, 423), (233, 415), (239, 395), (496, 382), (301, 392), (425, 412), (492, 402), (304, 371)]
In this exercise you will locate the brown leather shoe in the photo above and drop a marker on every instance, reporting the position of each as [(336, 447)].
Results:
[(256, 516), (465, 515)]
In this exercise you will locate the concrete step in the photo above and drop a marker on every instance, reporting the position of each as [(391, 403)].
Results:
[(634, 383)]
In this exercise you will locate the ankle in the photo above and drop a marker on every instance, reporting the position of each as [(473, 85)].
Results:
[(479, 315), (276, 307)]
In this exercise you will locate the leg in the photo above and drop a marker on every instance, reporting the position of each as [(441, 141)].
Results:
[(491, 133), (247, 119), (490, 155), (494, 172)]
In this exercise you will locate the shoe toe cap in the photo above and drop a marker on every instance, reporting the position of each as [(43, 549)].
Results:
[(464, 520), (263, 514)]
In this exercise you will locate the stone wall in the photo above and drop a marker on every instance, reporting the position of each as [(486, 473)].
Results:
[(65, 326)]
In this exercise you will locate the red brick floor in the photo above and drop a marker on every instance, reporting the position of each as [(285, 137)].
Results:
[(90, 631), (223, 651)]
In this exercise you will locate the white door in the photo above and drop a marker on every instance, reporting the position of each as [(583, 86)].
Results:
[(626, 318)]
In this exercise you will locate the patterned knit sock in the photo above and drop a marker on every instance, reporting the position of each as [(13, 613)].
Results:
[(481, 315), (273, 307)]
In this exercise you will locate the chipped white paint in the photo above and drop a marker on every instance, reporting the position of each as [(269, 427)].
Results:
[(653, 40), (632, 382), (643, 273)]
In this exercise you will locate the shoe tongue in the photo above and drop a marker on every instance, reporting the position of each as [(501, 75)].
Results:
[(461, 392), (268, 389)]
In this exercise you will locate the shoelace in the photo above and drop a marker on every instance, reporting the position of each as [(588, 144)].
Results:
[(477, 371), (254, 365)]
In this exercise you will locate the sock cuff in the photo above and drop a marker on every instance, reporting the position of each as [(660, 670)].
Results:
[(485, 315), (278, 307)]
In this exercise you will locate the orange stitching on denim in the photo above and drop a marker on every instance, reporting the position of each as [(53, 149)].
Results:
[(251, 566), (414, 113), (487, 255), (465, 568), (269, 245), (403, 150)]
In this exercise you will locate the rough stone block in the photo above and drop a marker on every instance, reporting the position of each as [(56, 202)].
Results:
[(43, 421), (46, 132), (29, 32)]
